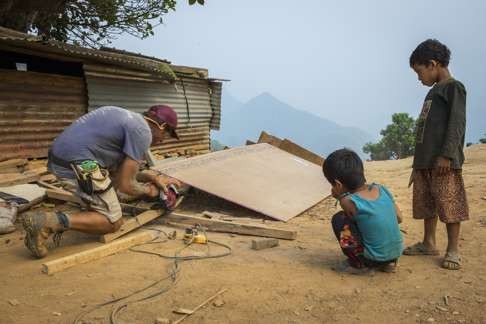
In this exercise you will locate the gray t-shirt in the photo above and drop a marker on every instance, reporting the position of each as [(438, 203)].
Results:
[(106, 135)]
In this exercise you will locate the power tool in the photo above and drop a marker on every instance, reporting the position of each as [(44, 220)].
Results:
[(192, 235), (170, 200)]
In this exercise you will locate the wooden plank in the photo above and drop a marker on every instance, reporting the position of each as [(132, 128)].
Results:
[(269, 139), (264, 244), (132, 224), (13, 163), (96, 253), (61, 194), (260, 177), (11, 179), (230, 227), (295, 149)]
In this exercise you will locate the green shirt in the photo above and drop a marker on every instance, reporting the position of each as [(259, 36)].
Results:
[(441, 126)]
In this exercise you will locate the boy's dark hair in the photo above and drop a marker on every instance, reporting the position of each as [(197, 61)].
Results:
[(346, 166), (431, 49)]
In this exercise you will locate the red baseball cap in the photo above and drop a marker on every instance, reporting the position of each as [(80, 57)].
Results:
[(164, 114)]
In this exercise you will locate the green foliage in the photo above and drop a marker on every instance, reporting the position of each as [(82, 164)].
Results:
[(86, 22), (482, 140), (398, 139)]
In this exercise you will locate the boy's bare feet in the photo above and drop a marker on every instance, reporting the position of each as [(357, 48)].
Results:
[(420, 248)]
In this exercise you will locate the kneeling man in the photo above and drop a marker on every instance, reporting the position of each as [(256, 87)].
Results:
[(108, 140)]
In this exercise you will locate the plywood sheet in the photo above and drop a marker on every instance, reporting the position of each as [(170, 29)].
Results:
[(260, 177)]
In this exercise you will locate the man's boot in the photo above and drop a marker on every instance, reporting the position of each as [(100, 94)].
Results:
[(38, 227), (8, 214)]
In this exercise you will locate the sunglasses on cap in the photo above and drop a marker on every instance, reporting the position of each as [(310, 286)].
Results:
[(163, 127)]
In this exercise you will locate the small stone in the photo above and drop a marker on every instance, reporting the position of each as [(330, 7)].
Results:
[(296, 313), (455, 313), (468, 282), (161, 320), (14, 302), (357, 290), (218, 302), (430, 320), (308, 308), (407, 311), (56, 314), (442, 309), (417, 287)]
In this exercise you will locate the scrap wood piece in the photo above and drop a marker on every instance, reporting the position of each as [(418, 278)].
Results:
[(11, 179), (132, 224), (13, 163), (295, 149), (229, 227), (64, 195), (264, 244), (200, 305), (269, 139), (259, 177), (96, 253)]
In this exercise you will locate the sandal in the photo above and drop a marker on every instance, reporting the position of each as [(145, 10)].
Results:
[(345, 268), (419, 249), (452, 261)]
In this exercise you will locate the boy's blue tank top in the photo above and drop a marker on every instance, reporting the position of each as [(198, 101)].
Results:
[(378, 226)]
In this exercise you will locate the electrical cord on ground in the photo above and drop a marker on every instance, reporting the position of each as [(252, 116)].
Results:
[(173, 271)]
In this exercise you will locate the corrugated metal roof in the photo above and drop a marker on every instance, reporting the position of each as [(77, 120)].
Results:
[(155, 67)]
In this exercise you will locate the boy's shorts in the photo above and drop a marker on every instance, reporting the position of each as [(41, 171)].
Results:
[(106, 203), (439, 195)]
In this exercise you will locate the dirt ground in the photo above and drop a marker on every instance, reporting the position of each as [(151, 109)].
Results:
[(292, 283)]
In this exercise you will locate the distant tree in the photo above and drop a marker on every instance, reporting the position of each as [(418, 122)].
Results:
[(87, 22), (482, 140), (398, 139)]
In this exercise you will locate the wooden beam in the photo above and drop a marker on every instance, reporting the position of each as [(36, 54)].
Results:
[(96, 253), (230, 227), (132, 224), (295, 149)]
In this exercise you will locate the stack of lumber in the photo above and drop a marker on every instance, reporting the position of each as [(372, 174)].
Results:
[(21, 171)]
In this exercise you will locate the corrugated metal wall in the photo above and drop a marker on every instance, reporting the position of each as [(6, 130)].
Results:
[(189, 97), (215, 98), (34, 109)]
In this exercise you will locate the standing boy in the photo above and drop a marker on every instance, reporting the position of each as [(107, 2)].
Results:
[(438, 187)]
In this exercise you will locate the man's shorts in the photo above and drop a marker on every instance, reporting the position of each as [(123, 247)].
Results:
[(439, 195), (105, 203)]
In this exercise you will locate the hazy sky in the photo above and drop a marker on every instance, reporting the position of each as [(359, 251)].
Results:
[(343, 60)]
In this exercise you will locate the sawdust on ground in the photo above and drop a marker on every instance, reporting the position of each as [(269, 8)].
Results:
[(291, 283)]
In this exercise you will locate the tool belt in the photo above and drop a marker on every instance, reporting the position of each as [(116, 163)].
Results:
[(91, 178)]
